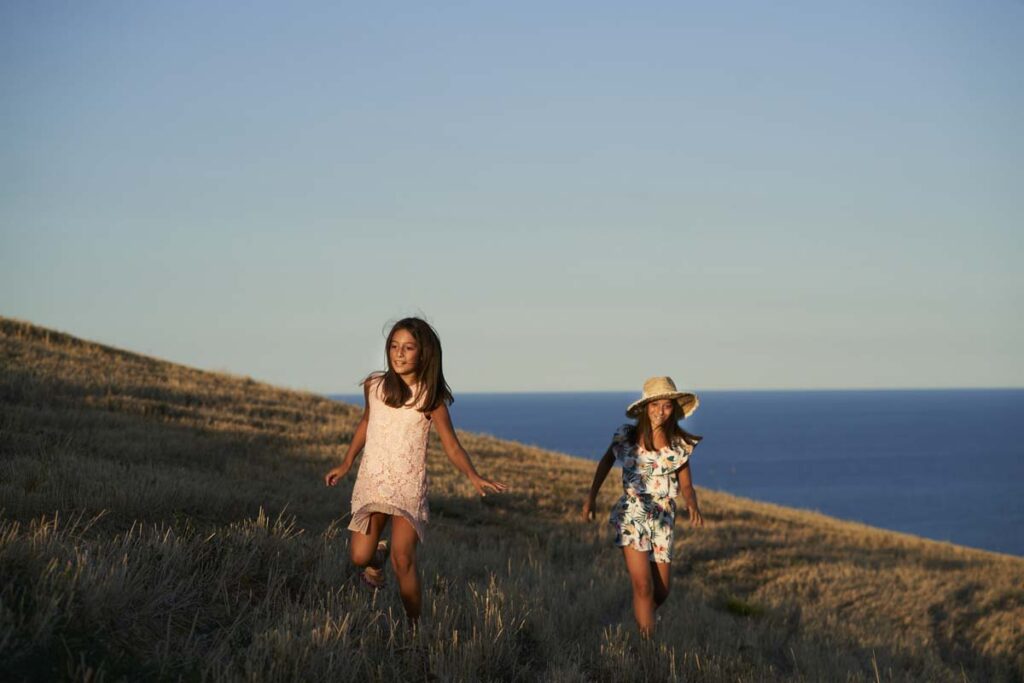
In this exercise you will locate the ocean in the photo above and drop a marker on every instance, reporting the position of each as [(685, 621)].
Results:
[(943, 464)]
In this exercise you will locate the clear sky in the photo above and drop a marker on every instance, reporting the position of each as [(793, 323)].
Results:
[(577, 195)]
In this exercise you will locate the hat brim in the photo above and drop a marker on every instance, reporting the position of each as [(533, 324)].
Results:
[(687, 403)]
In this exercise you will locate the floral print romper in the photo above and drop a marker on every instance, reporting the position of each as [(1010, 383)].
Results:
[(644, 516)]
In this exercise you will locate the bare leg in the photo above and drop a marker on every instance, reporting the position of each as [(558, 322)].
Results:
[(403, 559), (363, 547), (661, 572), (638, 565)]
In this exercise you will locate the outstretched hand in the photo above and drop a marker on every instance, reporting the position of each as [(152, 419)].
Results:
[(485, 486), (336, 474)]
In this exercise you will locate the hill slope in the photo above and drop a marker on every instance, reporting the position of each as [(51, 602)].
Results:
[(160, 521)]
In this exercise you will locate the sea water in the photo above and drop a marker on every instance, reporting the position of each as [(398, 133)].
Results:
[(943, 464)]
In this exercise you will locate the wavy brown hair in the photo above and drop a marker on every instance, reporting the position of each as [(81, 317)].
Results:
[(433, 390), (643, 433)]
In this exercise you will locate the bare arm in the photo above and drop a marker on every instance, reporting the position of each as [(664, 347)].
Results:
[(457, 454), (689, 495), (604, 466), (355, 446)]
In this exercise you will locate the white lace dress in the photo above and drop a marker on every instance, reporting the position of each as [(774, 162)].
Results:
[(393, 473)]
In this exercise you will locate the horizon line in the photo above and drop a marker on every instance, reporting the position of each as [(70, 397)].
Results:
[(734, 390)]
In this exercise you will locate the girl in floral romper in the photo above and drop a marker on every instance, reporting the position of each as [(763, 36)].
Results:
[(401, 406), (654, 455)]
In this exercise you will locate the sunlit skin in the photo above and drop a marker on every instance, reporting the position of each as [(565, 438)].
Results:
[(659, 412), (403, 355), (651, 581)]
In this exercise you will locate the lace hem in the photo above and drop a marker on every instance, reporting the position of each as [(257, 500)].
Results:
[(361, 518)]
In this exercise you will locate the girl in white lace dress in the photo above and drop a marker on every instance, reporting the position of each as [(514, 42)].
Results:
[(401, 404)]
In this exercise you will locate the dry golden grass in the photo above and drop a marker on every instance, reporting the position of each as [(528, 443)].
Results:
[(161, 522)]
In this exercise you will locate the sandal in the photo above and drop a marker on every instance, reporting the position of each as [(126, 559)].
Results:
[(374, 577)]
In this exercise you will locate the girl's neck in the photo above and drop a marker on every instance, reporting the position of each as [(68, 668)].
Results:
[(410, 380), (658, 435)]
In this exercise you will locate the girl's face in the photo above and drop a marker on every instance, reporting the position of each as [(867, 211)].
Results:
[(404, 354), (659, 412)]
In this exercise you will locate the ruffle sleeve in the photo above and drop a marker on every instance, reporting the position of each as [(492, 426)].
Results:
[(668, 460), (622, 443)]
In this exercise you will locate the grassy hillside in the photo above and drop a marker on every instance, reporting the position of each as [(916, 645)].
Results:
[(157, 521)]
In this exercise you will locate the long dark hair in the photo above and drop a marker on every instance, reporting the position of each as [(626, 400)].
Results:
[(643, 432), (433, 390)]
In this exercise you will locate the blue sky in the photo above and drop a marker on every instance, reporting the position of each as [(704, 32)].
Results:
[(577, 195)]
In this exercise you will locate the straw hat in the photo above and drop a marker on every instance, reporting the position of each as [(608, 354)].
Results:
[(657, 388)]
